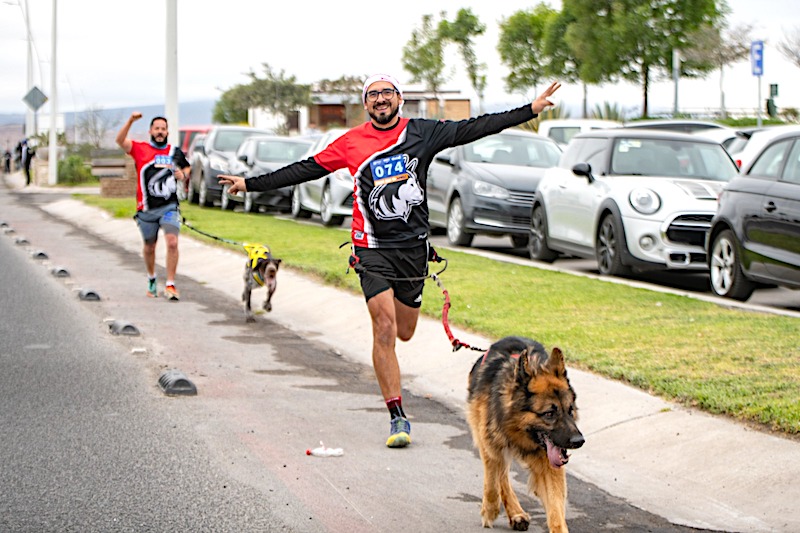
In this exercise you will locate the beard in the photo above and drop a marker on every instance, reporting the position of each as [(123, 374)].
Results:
[(384, 118), (156, 142)]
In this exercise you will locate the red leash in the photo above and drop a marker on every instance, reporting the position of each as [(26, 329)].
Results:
[(457, 344)]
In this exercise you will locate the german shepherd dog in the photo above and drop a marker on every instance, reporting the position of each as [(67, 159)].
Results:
[(260, 270), (522, 405)]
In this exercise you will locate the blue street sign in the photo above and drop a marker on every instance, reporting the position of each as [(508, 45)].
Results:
[(757, 57)]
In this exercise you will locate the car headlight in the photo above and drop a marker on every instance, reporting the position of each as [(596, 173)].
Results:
[(645, 201), (481, 188)]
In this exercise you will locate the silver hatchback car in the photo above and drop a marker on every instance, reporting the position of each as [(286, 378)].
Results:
[(331, 196)]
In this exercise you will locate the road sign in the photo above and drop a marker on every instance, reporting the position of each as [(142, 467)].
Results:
[(35, 99), (757, 57), (773, 90)]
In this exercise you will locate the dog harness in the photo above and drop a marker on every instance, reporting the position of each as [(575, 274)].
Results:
[(257, 254)]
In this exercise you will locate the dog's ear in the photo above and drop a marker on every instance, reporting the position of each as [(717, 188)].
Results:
[(555, 363), (277, 262), (525, 367)]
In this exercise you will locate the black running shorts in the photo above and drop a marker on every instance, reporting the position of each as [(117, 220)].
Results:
[(390, 268)]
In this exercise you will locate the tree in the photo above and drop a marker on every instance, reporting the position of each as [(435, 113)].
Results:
[(275, 92), (721, 46), (634, 40), (232, 106), (789, 46), (461, 31), (423, 56), (521, 47), (349, 87), (94, 125)]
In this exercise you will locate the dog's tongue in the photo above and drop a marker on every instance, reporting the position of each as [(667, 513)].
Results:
[(557, 456)]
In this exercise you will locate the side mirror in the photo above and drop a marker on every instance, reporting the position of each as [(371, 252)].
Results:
[(445, 159), (243, 157), (583, 169)]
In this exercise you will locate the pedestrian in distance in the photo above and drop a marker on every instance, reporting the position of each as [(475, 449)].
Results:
[(7, 161), (158, 166), (28, 153), (389, 156)]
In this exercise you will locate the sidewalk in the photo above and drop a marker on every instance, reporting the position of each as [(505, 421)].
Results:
[(689, 467)]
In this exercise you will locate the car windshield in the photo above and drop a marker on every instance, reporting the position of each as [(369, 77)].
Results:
[(671, 159), (281, 151), (513, 150), (229, 141)]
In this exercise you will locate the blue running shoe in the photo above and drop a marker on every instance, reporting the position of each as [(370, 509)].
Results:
[(152, 289), (400, 433)]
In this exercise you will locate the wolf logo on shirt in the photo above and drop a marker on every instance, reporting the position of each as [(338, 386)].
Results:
[(397, 202)]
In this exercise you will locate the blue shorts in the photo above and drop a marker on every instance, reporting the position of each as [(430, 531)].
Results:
[(167, 217)]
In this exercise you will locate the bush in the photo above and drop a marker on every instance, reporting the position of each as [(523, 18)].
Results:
[(73, 170)]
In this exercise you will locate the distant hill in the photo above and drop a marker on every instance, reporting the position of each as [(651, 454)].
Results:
[(191, 113)]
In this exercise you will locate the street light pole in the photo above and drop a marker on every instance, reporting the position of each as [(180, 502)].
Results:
[(29, 118), (52, 150), (171, 74)]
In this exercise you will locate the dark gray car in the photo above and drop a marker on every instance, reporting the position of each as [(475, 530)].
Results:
[(487, 186)]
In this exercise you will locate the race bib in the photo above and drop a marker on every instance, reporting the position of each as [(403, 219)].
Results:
[(163, 161), (388, 170)]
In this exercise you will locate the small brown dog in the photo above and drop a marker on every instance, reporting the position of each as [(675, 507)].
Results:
[(260, 270), (521, 405)]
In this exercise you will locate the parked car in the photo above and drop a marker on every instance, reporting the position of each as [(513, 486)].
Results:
[(759, 137), (634, 199), (219, 145), (258, 155), (186, 135), (195, 146), (486, 186), (330, 196), (685, 126), (754, 238), (562, 130)]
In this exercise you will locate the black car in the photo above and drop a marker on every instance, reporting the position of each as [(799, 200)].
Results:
[(258, 155), (754, 239), (487, 186)]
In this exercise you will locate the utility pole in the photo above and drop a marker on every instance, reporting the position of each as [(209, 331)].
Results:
[(52, 151), (171, 75)]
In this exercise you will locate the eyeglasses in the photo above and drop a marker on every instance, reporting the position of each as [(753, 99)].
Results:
[(386, 93)]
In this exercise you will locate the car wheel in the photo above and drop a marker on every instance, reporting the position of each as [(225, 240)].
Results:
[(727, 278), (203, 198), (455, 225), (326, 208), (248, 202), (226, 203), (297, 208), (608, 248), (537, 240)]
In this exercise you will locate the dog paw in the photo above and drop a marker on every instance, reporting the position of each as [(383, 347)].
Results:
[(250, 318), (519, 522), (267, 307)]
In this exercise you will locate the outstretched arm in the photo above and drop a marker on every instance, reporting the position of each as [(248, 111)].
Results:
[(122, 134), (293, 174)]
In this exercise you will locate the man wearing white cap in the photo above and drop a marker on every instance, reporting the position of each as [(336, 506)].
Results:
[(389, 157)]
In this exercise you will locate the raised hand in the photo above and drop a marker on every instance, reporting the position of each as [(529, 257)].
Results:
[(543, 100)]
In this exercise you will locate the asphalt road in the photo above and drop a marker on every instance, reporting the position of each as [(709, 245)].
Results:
[(90, 443)]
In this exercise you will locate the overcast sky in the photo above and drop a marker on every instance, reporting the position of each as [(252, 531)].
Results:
[(111, 54)]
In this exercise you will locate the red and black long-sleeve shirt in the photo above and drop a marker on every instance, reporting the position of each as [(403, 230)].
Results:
[(390, 167)]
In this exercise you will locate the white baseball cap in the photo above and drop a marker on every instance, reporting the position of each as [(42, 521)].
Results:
[(379, 77)]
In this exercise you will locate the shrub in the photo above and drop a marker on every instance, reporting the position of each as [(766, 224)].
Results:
[(73, 170)]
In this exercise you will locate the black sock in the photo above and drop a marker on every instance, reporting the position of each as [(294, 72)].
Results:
[(395, 406)]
